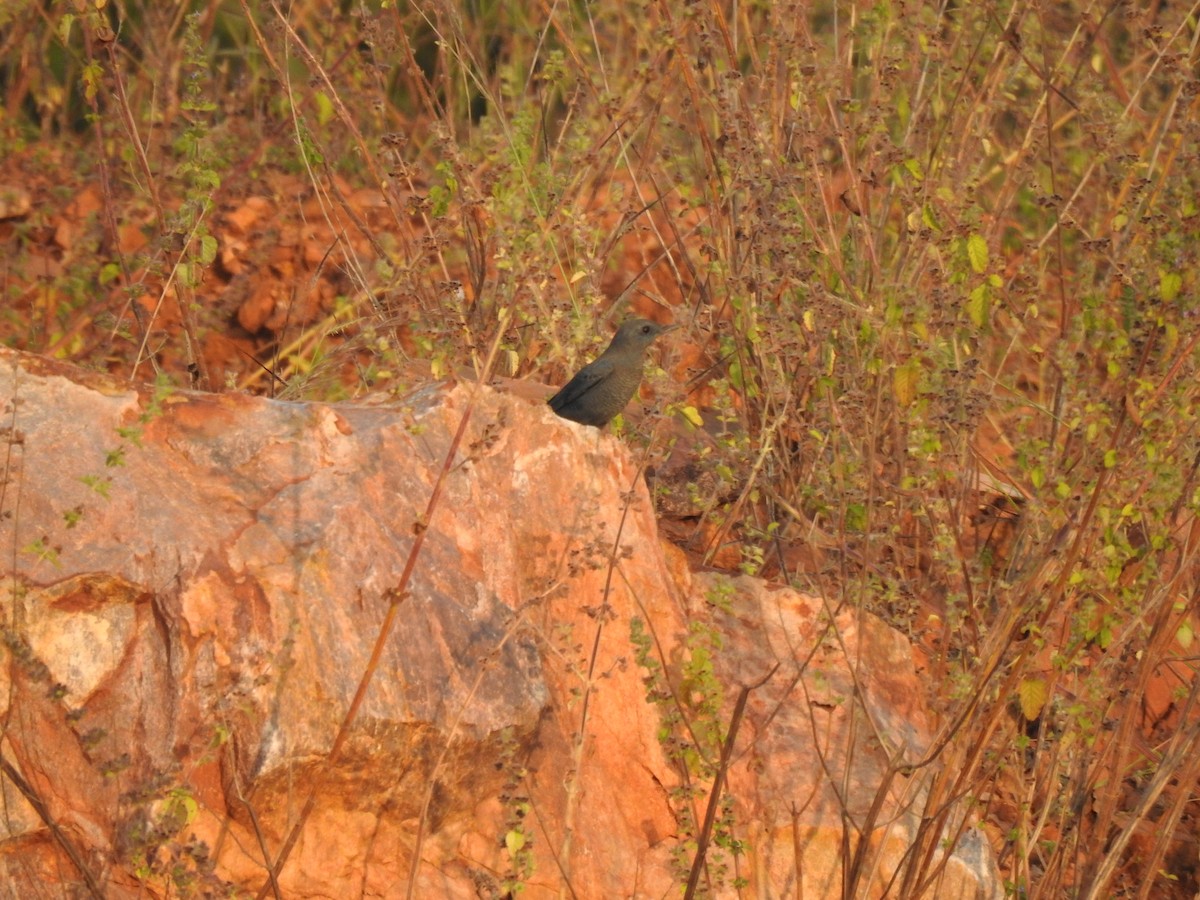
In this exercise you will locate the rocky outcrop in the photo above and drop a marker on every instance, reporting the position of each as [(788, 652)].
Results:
[(198, 587)]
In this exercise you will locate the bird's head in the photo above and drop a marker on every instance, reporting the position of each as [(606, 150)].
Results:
[(637, 334)]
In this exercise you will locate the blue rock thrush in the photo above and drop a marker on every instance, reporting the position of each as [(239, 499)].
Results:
[(603, 387)]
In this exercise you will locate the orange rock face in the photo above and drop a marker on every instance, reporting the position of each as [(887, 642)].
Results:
[(195, 586)]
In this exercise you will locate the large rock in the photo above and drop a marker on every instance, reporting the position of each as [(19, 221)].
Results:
[(193, 587)]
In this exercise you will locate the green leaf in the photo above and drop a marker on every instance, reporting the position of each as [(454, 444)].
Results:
[(735, 376), (856, 517), (1184, 635), (183, 808), (977, 253), (100, 485), (208, 249), (93, 77), (903, 110), (977, 306), (1169, 284), (324, 108)]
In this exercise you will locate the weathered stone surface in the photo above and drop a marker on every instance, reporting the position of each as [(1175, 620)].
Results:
[(193, 585)]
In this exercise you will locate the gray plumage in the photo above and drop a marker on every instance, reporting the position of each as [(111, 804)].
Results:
[(603, 387)]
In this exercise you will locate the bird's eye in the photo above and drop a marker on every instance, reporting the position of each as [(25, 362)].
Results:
[(645, 329)]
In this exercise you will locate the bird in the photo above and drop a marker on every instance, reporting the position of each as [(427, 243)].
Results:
[(603, 387)]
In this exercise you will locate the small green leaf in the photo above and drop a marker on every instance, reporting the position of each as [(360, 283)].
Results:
[(856, 517), (183, 808), (42, 551), (324, 108), (977, 253), (100, 485), (93, 77), (1185, 635), (110, 273), (692, 415), (514, 842), (977, 306), (208, 249), (903, 110), (1169, 284), (735, 376)]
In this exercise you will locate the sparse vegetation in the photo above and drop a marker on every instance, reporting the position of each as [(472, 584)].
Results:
[(936, 263)]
